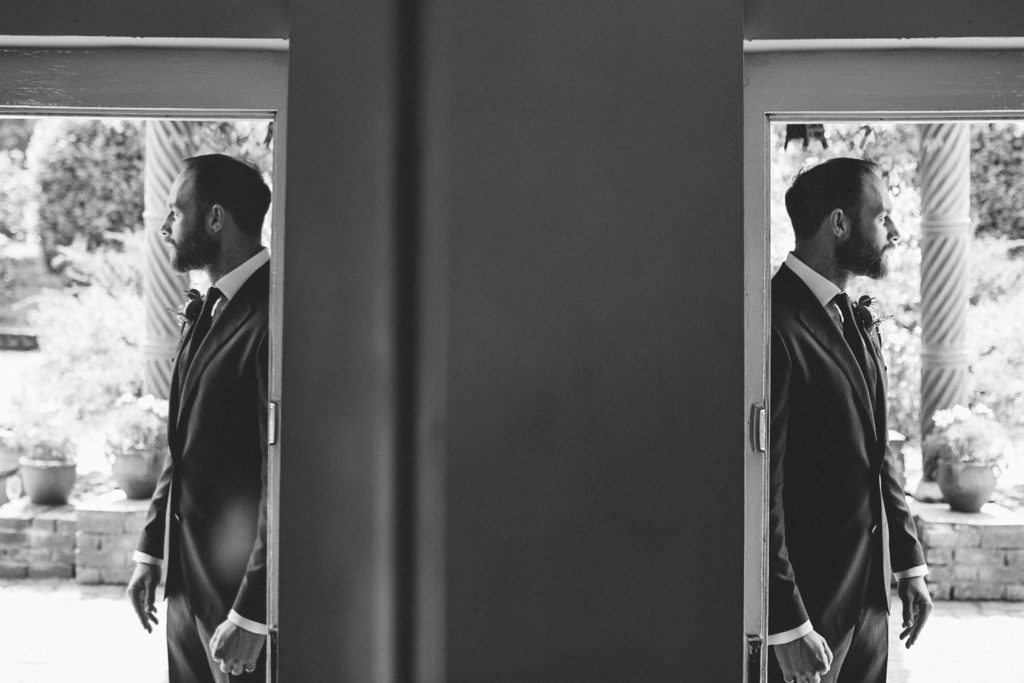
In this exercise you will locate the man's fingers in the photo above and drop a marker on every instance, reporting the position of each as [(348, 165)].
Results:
[(915, 631), (136, 598)]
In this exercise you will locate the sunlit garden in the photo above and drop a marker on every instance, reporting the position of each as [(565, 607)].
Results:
[(75, 396)]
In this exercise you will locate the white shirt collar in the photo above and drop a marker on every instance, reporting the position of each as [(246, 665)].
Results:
[(823, 289), (233, 281)]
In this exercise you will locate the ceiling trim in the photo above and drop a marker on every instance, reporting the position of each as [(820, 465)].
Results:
[(850, 44), (91, 42)]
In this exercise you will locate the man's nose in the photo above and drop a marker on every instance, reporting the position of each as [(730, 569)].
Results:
[(893, 233)]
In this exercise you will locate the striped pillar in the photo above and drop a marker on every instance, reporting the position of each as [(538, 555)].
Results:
[(167, 144), (945, 237)]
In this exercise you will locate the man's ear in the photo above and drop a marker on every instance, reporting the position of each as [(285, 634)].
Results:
[(215, 219), (838, 223)]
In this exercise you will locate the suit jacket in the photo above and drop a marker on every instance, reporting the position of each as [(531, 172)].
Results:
[(214, 482), (836, 509)]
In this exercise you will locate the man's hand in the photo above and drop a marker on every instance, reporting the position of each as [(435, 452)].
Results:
[(917, 605), (142, 593), (235, 649), (804, 660)]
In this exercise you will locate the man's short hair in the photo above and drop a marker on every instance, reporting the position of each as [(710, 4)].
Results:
[(834, 184), (235, 184)]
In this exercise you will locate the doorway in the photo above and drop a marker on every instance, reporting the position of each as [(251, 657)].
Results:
[(191, 83), (870, 87)]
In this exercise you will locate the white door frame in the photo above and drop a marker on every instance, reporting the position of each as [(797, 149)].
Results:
[(923, 80), (174, 79)]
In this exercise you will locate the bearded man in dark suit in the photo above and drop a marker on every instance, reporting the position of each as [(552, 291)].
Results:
[(211, 497), (838, 520)]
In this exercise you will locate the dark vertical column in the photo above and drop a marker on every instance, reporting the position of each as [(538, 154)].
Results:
[(340, 420), (596, 427), (512, 373)]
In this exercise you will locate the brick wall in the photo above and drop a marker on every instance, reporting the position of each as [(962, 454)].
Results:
[(108, 531), (972, 556), (92, 543), (36, 541)]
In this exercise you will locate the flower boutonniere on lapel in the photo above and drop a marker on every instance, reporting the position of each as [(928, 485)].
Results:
[(866, 318), (189, 310)]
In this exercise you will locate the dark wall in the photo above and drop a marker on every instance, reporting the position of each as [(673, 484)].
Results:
[(581, 163), (337, 590), (147, 18), (594, 491), (801, 19), (584, 165)]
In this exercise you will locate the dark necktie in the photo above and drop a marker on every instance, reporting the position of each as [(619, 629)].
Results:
[(204, 321), (852, 336)]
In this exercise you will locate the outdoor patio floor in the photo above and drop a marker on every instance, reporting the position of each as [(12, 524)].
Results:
[(56, 630)]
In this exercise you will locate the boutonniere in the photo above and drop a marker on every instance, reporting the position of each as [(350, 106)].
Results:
[(189, 310), (865, 316)]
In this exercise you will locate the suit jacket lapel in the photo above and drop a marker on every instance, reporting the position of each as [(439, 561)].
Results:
[(881, 387), (812, 315), (824, 330)]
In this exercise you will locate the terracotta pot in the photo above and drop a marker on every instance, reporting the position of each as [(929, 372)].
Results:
[(137, 472), (966, 487), (46, 482)]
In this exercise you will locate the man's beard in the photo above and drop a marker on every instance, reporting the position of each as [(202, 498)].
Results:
[(195, 251), (858, 257)]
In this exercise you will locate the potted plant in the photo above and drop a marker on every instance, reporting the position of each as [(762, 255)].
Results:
[(136, 443), (970, 447), (46, 460)]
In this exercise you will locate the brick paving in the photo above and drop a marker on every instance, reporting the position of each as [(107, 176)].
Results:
[(58, 630)]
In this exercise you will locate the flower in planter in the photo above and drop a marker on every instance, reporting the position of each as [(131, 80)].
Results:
[(137, 425), (43, 440), (136, 443), (46, 449), (967, 436)]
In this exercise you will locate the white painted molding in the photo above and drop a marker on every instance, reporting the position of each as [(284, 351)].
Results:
[(70, 42), (853, 44)]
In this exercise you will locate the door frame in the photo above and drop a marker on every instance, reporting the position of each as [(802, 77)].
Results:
[(926, 80), (182, 79)]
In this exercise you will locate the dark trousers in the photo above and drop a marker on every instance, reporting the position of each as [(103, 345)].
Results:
[(861, 655), (188, 649)]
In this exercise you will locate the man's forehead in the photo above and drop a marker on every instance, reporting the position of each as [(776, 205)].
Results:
[(179, 191), (879, 192)]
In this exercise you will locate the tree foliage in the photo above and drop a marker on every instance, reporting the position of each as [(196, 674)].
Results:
[(90, 334), (997, 171), (88, 175), (89, 179)]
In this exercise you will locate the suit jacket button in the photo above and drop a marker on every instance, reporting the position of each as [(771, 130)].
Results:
[(177, 518), (874, 529)]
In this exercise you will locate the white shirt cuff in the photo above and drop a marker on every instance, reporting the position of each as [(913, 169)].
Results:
[(790, 635), (248, 624), (913, 572), (147, 559)]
